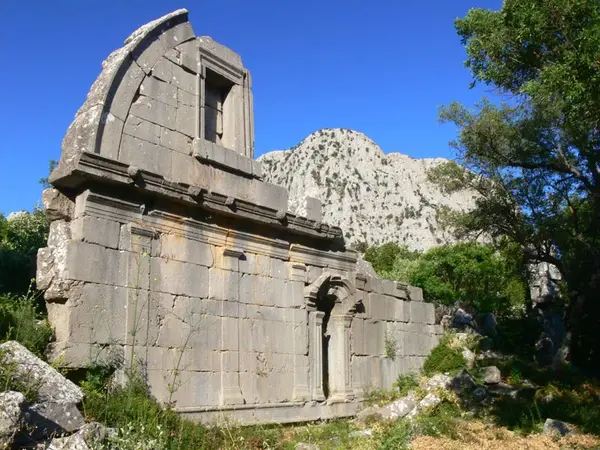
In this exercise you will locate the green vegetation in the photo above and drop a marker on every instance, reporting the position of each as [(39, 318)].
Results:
[(534, 160), (21, 320), (444, 358), (406, 383), (471, 273), (20, 239)]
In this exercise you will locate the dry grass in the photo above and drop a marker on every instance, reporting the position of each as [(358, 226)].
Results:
[(476, 435)]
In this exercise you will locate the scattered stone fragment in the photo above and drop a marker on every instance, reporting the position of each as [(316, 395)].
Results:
[(461, 318), (438, 381), (491, 375), (11, 407), (479, 394), (362, 433)]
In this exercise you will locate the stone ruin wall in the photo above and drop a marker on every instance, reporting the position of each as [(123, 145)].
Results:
[(168, 253)]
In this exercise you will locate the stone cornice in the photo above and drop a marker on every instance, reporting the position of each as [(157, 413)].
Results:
[(92, 167)]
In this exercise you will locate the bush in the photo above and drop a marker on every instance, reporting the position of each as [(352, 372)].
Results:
[(20, 238), (21, 320), (443, 358), (440, 421), (406, 383)]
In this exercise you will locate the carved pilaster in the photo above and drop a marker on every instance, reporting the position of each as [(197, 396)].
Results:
[(339, 358), (231, 393), (315, 328)]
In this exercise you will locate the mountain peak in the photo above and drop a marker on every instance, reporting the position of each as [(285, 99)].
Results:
[(375, 197)]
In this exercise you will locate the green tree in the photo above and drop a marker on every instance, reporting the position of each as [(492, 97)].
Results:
[(21, 236), (390, 260), (534, 158), (471, 273)]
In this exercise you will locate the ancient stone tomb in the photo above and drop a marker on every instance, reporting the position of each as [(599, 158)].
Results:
[(169, 255)]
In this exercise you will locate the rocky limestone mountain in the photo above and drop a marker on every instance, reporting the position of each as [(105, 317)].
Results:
[(374, 197)]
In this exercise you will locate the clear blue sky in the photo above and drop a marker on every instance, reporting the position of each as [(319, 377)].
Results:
[(381, 67)]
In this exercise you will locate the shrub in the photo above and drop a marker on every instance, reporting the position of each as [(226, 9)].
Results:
[(20, 320), (443, 358), (406, 383), (440, 421)]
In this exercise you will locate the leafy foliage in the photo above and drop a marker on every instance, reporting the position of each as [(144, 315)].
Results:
[(444, 358), (534, 158), (20, 238), (20, 320), (475, 274), (406, 383), (470, 273)]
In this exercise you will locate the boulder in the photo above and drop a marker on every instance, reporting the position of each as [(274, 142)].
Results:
[(461, 318), (11, 408), (54, 412), (491, 375), (438, 381), (463, 383), (552, 426)]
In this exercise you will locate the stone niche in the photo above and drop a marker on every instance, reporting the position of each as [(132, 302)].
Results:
[(168, 254)]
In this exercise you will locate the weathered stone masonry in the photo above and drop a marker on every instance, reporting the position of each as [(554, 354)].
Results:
[(168, 252)]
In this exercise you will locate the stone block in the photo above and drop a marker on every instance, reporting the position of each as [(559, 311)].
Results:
[(357, 336), (263, 265), (388, 287), (247, 264), (187, 99), (145, 155), (96, 230), (57, 205), (179, 37), (176, 141), (256, 168), (183, 79), (154, 111), (180, 248), (146, 56), (179, 278), (186, 121), (415, 294), (421, 312), (96, 264), (142, 129), (223, 284), (313, 209), (294, 294), (159, 90), (374, 337), (401, 310), (278, 269), (230, 335), (373, 284), (124, 95), (296, 271), (163, 70)]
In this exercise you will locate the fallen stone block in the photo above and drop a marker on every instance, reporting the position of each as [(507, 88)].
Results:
[(74, 442), (53, 419), (51, 386), (463, 383)]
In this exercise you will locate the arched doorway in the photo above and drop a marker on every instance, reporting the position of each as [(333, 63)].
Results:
[(331, 304)]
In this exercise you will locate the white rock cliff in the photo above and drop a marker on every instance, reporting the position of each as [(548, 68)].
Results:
[(374, 197)]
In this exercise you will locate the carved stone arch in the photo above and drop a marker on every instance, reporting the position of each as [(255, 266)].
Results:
[(329, 355), (99, 124)]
